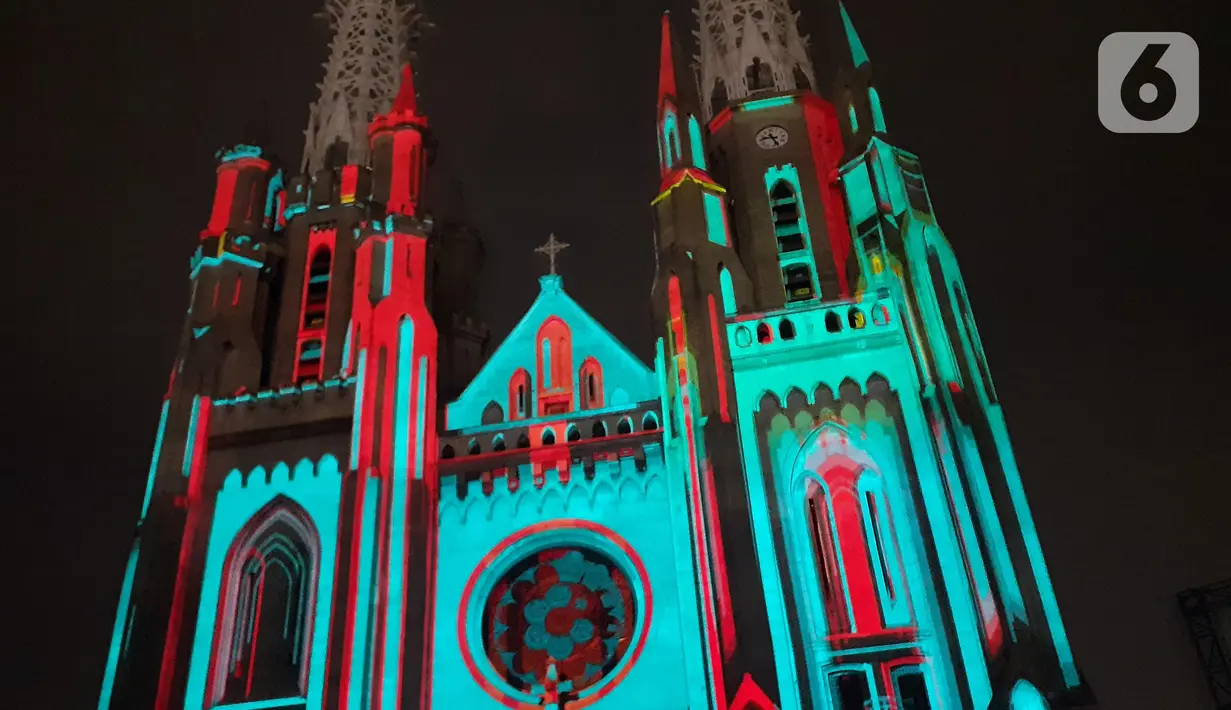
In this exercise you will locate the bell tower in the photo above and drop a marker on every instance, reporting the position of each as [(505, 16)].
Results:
[(865, 537), (775, 146)]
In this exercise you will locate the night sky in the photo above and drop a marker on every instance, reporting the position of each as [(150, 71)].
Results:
[(1089, 259)]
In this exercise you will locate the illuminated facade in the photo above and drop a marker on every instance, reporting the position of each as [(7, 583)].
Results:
[(809, 500)]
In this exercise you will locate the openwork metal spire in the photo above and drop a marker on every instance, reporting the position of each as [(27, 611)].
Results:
[(748, 47), (372, 39)]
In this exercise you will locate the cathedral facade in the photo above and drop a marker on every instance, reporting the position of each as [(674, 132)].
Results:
[(807, 500)]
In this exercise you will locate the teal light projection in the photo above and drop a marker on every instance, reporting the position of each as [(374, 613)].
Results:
[(878, 531), (190, 449), (695, 143), (119, 634), (715, 219), (357, 414), (421, 421), (728, 291), (626, 380), (386, 283), (762, 104), (1027, 697), (850, 469), (858, 56), (360, 662), (878, 116), (149, 483)]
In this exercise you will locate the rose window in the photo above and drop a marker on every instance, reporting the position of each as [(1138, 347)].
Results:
[(570, 609)]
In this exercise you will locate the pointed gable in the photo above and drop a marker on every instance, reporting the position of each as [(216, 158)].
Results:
[(557, 359)]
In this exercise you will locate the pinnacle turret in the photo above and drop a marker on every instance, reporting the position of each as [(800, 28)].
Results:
[(859, 57), (372, 40)]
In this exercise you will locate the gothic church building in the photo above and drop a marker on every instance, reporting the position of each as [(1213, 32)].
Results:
[(808, 500)]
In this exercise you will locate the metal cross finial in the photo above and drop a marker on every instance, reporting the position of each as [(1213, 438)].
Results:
[(551, 248)]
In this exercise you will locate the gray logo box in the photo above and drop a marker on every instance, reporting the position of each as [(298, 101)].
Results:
[(1148, 82)]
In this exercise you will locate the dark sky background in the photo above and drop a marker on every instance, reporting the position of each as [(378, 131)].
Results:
[(1088, 257)]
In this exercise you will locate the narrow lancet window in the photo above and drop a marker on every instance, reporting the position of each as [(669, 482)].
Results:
[(825, 554), (784, 205), (877, 543), (316, 298)]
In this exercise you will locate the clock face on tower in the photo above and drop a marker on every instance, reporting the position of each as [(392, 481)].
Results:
[(772, 137)]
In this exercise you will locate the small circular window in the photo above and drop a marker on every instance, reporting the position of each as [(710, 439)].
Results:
[(564, 615)]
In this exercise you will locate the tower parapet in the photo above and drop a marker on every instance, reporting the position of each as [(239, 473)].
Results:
[(240, 195)]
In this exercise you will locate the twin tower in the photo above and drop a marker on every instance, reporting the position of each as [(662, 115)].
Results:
[(808, 500)]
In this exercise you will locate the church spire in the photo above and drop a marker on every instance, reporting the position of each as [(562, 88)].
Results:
[(679, 133), (372, 41), (747, 48), (858, 55), (860, 115), (405, 99), (666, 62)]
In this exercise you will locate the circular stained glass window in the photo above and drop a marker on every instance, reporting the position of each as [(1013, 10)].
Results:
[(567, 608)]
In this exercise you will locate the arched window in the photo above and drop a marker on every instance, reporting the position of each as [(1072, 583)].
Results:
[(823, 532), (599, 430), (649, 422), (797, 282), (728, 291), (549, 437), (672, 149), (877, 543), (786, 329), (573, 433), (473, 448), (592, 384), (492, 414), (316, 296), (784, 206), (447, 452), (910, 684), (555, 366), (267, 604), (308, 369), (520, 405), (851, 688), (625, 426), (498, 442), (878, 118)]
